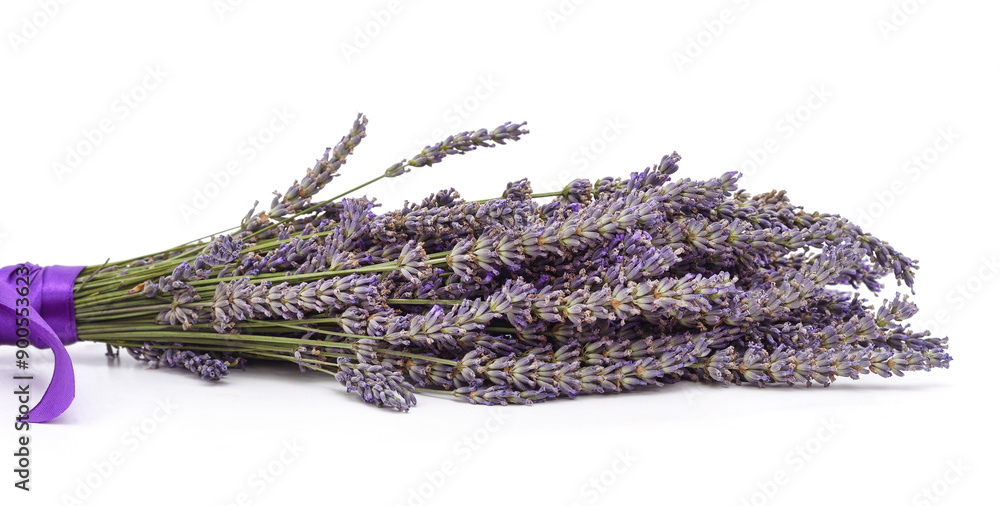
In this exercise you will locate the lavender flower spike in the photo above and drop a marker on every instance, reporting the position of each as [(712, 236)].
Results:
[(376, 385)]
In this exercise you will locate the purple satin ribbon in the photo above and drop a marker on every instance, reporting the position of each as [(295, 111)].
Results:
[(51, 324)]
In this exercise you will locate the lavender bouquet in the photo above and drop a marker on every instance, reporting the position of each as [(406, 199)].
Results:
[(605, 286)]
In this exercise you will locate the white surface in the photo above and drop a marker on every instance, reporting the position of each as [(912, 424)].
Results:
[(606, 62)]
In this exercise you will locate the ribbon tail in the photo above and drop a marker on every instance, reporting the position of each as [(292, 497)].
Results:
[(62, 389)]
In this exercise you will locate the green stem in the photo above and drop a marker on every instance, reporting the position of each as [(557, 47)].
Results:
[(318, 331), (122, 315), (432, 390), (313, 276), (213, 338), (144, 325), (111, 299), (308, 366), (256, 352), (533, 195)]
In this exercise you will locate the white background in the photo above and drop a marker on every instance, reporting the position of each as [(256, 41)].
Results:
[(713, 80)]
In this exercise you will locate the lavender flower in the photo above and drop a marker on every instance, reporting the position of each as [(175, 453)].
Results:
[(204, 365), (459, 144), (376, 385), (299, 195)]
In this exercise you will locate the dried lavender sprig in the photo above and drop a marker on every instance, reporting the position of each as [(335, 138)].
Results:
[(460, 143), (241, 299), (376, 384), (299, 195), (204, 365)]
